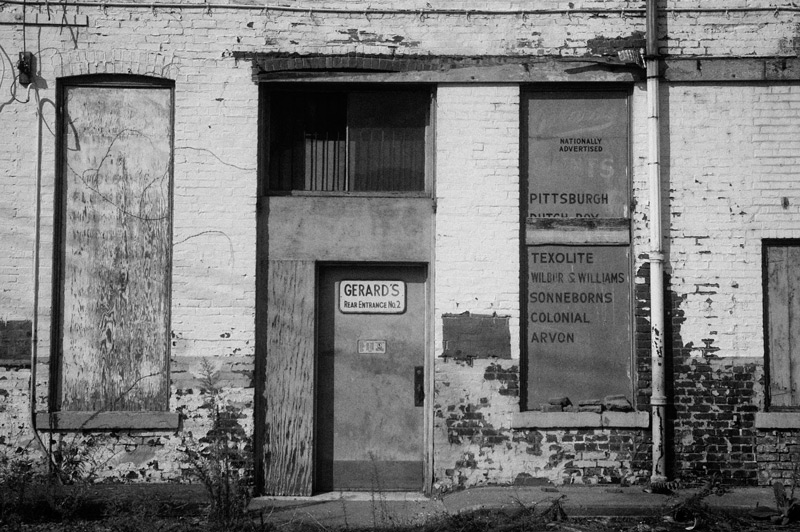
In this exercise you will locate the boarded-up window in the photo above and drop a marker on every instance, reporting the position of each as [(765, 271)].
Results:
[(782, 306), (114, 246), (577, 295), (354, 141)]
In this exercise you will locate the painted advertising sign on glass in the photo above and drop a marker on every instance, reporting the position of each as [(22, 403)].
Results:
[(578, 296), (578, 322), (578, 155)]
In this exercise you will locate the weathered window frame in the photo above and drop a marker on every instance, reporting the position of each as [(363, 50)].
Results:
[(267, 89), (105, 419), (573, 231)]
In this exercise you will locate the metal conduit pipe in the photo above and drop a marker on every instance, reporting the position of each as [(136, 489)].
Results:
[(37, 232), (635, 11), (321, 10), (658, 399)]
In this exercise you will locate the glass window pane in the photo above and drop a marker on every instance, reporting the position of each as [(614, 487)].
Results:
[(578, 155), (387, 140), (307, 149), (578, 296), (579, 323)]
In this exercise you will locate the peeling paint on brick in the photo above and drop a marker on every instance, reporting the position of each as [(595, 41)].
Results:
[(715, 401), (728, 151), (509, 377), (611, 45), (354, 35)]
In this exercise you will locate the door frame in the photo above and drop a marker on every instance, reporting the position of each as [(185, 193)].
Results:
[(428, 359)]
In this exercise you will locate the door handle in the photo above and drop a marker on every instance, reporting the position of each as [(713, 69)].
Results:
[(419, 386)]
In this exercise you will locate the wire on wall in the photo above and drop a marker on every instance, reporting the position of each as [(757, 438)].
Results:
[(208, 7)]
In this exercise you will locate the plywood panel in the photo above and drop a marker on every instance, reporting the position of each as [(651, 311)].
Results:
[(116, 179), (779, 326), (793, 277), (289, 388)]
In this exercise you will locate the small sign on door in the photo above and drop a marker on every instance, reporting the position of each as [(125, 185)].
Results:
[(372, 297), (372, 347)]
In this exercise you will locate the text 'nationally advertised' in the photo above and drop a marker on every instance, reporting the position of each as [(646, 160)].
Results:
[(578, 297), (578, 155)]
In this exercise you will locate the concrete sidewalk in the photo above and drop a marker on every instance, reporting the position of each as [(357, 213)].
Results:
[(375, 510)]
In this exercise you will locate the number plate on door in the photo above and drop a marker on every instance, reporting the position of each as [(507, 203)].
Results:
[(371, 347)]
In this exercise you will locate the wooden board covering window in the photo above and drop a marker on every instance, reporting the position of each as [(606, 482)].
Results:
[(782, 307), (115, 248)]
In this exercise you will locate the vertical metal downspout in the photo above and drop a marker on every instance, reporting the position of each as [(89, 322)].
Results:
[(658, 399), (37, 232), (37, 238)]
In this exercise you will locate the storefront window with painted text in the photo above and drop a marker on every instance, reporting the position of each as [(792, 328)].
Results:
[(577, 296)]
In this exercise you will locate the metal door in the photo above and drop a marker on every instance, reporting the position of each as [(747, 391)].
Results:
[(370, 380)]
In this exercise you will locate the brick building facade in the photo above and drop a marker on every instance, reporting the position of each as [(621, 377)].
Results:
[(187, 227)]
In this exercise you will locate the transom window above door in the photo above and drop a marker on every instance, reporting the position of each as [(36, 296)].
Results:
[(341, 141)]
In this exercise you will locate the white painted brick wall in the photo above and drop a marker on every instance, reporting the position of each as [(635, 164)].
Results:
[(640, 183), (213, 297), (730, 150), (477, 193), (197, 44), (732, 158), (214, 210)]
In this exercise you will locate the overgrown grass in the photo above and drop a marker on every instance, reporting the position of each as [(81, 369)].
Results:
[(63, 490), (146, 514)]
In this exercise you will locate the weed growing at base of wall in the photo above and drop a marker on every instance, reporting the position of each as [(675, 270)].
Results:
[(222, 459), (30, 491), (17, 474)]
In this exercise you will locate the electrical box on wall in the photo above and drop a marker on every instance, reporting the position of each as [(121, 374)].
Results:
[(26, 67)]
